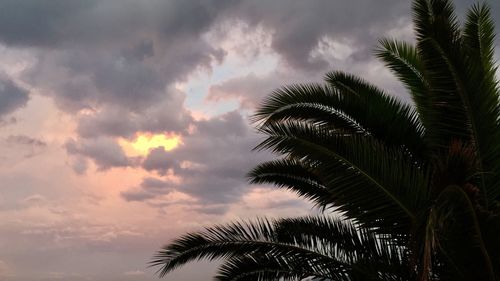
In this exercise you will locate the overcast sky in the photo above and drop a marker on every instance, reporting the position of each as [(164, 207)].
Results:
[(124, 123)]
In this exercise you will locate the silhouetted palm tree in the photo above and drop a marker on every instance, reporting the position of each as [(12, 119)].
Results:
[(418, 184)]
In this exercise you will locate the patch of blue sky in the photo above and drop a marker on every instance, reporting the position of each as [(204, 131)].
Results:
[(198, 85)]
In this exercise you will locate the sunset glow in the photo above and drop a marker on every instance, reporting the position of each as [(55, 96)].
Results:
[(143, 143)]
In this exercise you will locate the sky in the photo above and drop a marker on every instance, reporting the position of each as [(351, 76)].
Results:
[(125, 123)]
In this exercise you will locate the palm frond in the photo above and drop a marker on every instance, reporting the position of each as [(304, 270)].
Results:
[(271, 268), (354, 170), (483, 97), (309, 103), (361, 109), (265, 249), (215, 243), (438, 45), (479, 36), (463, 91), (295, 176), (404, 61), (383, 116), (341, 238)]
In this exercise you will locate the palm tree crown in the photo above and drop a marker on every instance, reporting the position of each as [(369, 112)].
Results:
[(418, 185)]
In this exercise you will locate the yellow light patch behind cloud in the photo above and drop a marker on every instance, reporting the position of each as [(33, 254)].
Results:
[(143, 143)]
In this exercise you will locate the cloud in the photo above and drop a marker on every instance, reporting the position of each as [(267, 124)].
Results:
[(79, 164), (150, 46), (105, 152), (12, 96), (25, 140), (298, 26), (133, 65), (149, 188), (52, 23), (88, 78), (250, 90), (211, 163), (159, 160), (24, 145), (168, 115), (34, 200), (114, 64), (41, 22)]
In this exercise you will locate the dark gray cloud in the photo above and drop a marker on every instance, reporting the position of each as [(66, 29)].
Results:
[(160, 160), (52, 23), (12, 96), (149, 188), (167, 115), (90, 79), (120, 58), (108, 122), (226, 126), (105, 153), (298, 26), (35, 23), (117, 59), (212, 161), (324, 36), (150, 45)]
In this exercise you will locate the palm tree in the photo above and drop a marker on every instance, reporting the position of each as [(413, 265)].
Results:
[(418, 185)]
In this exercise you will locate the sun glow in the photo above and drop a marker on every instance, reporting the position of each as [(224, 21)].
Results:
[(144, 142)]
